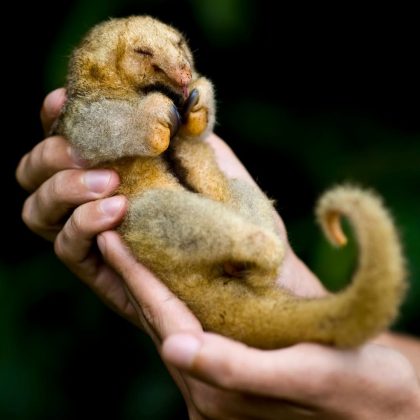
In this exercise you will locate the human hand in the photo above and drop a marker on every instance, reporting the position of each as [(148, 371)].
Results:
[(60, 191), (69, 205), (221, 378)]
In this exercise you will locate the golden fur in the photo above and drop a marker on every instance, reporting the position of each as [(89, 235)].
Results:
[(213, 240)]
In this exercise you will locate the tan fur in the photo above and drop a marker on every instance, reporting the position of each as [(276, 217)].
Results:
[(212, 240)]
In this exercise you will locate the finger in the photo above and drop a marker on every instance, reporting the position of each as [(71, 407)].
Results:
[(74, 242), (165, 313), (44, 160), (51, 108), (279, 373), (75, 246), (45, 209)]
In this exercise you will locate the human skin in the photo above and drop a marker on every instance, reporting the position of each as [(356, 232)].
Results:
[(218, 377)]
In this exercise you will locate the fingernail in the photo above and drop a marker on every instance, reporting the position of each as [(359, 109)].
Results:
[(74, 156), (181, 350), (97, 180), (111, 206)]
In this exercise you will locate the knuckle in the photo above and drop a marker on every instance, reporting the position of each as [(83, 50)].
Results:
[(67, 236), (56, 184), (48, 151), (47, 197), (62, 244), (75, 223), (59, 249), (62, 186), (20, 169), (65, 188), (27, 212), (32, 219), (24, 172), (228, 374)]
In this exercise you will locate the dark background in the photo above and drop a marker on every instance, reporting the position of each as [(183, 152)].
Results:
[(341, 103)]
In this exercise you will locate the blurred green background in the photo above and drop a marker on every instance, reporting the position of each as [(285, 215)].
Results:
[(340, 104)]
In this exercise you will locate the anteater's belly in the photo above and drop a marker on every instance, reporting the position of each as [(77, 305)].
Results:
[(139, 174)]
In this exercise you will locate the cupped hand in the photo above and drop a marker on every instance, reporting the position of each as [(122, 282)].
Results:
[(69, 205), (223, 379), (219, 378)]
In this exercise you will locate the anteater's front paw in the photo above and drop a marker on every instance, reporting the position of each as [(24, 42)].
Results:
[(158, 138), (200, 117), (161, 121), (196, 122)]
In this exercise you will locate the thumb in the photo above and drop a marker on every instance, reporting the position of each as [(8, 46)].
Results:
[(161, 309), (228, 364)]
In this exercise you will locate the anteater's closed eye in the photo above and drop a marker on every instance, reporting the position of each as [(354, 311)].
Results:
[(144, 51)]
